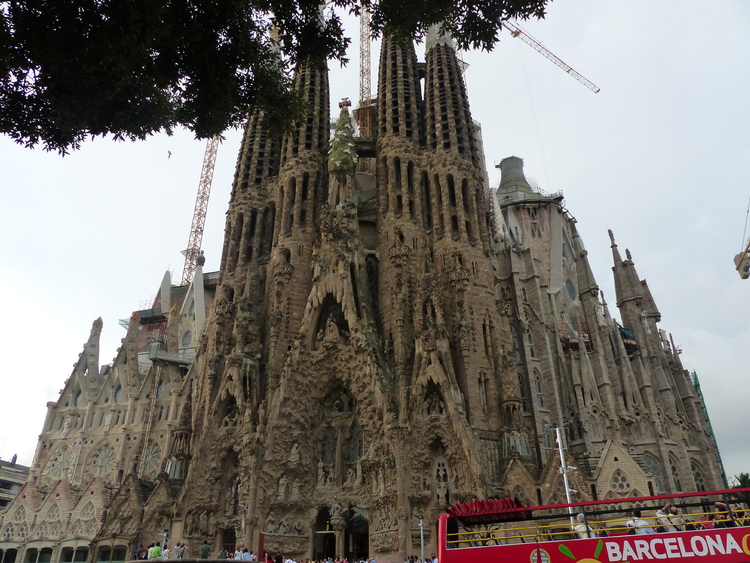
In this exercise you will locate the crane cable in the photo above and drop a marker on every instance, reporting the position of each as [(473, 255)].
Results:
[(535, 121), (744, 232)]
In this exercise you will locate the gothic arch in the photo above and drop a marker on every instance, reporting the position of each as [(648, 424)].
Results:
[(88, 511), (340, 441), (433, 403), (227, 409), (655, 471), (699, 474), (19, 515), (230, 492), (441, 481), (53, 513), (60, 463), (329, 309), (674, 470), (338, 400)]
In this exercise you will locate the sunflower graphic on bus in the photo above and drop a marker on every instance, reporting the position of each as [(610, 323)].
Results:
[(540, 555)]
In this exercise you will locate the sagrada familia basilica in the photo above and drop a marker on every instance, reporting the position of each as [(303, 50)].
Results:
[(387, 335)]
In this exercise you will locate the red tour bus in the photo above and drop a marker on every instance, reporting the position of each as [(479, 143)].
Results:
[(710, 526)]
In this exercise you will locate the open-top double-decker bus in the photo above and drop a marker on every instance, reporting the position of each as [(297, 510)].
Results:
[(709, 526)]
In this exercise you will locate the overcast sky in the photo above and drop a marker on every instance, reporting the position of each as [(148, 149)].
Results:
[(661, 156)]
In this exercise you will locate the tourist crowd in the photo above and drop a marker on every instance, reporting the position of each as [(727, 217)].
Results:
[(669, 519)]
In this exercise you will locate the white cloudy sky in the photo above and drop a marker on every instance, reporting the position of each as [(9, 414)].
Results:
[(661, 156)]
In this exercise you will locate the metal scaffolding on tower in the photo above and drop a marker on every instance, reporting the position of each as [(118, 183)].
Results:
[(365, 113)]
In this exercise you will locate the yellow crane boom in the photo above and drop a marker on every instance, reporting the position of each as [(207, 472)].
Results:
[(516, 31), (199, 213), (365, 94)]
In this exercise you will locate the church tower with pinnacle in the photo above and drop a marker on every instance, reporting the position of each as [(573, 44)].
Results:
[(383, 344)]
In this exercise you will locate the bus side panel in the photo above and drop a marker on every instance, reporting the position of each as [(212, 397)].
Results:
[(728, 545)]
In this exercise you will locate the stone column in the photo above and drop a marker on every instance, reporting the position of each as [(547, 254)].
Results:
[(251, 515), (337, 522)]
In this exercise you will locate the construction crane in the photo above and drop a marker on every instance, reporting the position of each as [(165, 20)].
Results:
[(193, 250), (516, 31), (365, 113), (365, 90), (742, 260)]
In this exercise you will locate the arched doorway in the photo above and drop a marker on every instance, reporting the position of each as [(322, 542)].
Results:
[(229, 540), (357, 536), (324, 544)]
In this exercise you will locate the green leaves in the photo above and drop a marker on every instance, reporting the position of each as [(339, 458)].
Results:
[(129, 68)]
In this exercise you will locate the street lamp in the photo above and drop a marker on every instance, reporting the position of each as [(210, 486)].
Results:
[(421, 535), (564, 468)]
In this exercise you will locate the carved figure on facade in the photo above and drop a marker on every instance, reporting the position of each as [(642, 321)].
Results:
[(321, 474), (351, 478), (295, 490), (282, 487), (294, 456), (191, 528), (270, 525), (233, 496), (203, 523)]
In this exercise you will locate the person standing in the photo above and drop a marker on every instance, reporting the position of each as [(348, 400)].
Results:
[(205, 549)]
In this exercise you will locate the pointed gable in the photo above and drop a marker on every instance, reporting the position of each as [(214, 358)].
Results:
[(618, 474)]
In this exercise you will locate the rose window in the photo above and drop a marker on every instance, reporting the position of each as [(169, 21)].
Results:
[(151, 458), (88, 511), (61, 464), (92, 527), (56, 530), (19, 515), (620, 482), (54, 512), (104, 461)]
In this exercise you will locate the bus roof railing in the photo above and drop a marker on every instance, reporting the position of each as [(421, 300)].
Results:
[(510, 510)]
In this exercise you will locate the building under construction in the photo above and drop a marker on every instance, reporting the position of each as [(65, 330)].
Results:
[(386, 336)]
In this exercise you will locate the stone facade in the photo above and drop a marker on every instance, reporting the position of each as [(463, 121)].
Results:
[(381, 344), (109, 431), (387, 343)]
